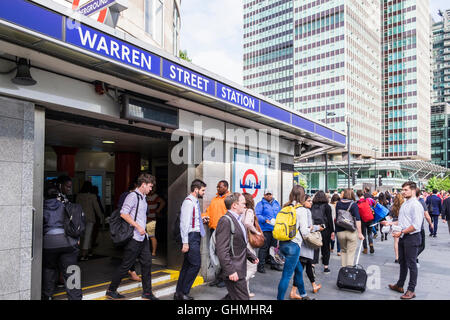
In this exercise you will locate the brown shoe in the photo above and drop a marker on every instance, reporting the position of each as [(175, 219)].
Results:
[(294, 295), (365, 251), (408, 295), (396, 288)]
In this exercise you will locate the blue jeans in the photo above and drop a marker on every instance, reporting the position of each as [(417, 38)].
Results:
[(292, 266)]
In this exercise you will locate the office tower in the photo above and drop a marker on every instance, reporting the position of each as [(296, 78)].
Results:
[(406, 79), (326, 54)]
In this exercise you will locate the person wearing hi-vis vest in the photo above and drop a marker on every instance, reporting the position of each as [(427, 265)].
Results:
[(214, 212)]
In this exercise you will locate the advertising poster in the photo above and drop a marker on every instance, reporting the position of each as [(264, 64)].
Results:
[(250, 173)]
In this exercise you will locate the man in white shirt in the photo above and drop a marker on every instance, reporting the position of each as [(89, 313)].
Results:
[(192, 231), (408, 227)]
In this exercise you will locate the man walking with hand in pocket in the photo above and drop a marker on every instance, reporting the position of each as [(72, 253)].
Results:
[(233, 254), (407, 228)]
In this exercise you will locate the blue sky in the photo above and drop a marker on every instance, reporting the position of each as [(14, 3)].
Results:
[(211, 32)]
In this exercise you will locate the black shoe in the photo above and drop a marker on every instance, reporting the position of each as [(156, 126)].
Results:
[(261, 270), (221, 284), (396, 261), (326, 270), (181, 296), (114, 295), (214, 283), (431, 234), (434, 236), (372, 250), (276, 267), (149, 296)]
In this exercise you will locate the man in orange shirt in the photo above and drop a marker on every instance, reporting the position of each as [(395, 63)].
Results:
[(214, 212)]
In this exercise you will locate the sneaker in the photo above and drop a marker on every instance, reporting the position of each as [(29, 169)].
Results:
[(326, 270), (372, 250), (114, 295), (149, 296), (221, 284), (261, 270), (434, 236)]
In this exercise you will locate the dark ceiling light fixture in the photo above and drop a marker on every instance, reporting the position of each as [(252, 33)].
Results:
[(23, 76)]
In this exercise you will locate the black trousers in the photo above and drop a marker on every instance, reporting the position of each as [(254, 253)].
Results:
[(191, 264), (236, 290), (326, 246), (135, 250), (367, 233), (422, 245), (263, 252), (307, 265), (408, 247), (54, 260)]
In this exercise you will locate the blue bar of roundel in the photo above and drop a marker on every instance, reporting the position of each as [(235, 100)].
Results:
[(186, 77), (275, 112), (237, 97), (30, 16), (340, 138), (324, 132), (102, 44), (302, 123)]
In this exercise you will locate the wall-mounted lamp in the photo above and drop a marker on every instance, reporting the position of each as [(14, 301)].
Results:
[(23, 76)]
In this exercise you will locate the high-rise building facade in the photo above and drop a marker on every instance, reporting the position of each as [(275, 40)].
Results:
[(440, 93), (269, 48), (325, 55), (406, 79)]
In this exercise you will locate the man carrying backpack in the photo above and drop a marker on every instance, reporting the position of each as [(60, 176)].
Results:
[(192, 232), (366, 214), (60, 250), (134, 212), (266, 211)]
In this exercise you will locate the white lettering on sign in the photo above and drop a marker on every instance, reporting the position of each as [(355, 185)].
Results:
[(114, 49), (238, 98), (192, 80)]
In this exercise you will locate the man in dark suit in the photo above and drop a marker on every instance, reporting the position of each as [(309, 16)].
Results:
[(435, 204), (446, 212), (233, 260)]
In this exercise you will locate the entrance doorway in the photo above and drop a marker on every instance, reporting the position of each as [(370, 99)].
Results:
[(109, 156)]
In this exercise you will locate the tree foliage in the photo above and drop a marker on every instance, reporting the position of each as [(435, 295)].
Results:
[(439, 184), (184, 55)]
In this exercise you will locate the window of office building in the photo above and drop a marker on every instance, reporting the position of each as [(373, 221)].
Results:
[(154, 19)]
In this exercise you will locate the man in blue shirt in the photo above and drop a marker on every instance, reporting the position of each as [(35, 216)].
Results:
[(266, 211), (435, 204)]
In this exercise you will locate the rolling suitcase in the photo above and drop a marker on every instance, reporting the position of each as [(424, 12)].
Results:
[(353, 278)]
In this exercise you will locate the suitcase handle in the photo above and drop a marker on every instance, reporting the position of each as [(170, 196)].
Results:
[(359, 254)]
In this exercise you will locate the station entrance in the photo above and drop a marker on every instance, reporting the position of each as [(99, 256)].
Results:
[(109, 156)]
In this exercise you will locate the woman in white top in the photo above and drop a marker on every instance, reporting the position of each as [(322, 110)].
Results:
[(307, 253), (291, 250), (249, 223)]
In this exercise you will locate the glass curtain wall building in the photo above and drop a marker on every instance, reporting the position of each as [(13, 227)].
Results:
[(320, 57), (268, 48), (441, 90), (406, 79)]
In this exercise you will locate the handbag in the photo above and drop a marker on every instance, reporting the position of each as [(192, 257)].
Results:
[(345, 219), (313, 239), (256, 240)]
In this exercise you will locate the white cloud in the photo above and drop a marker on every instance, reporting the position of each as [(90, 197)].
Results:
[(212, 33)]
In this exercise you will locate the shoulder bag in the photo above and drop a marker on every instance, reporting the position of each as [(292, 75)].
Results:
[(345, 219)]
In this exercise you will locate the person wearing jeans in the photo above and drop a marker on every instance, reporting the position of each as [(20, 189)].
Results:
[(291, 250)]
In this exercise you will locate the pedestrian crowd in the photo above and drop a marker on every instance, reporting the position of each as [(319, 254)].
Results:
[(245, 237)]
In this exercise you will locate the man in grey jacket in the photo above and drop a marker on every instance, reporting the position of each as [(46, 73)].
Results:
[(233, 256)]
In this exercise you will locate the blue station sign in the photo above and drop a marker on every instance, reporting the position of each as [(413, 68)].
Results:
[(107, 46), (61, 28)]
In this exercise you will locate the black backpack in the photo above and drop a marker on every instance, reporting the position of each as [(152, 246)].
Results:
[(176, 233), (318, 214), (74, 220), (121, 231)]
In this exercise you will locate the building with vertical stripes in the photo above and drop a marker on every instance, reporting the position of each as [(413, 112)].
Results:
[(406, 80)]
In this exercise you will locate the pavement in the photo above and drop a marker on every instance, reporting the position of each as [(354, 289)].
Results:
[(433, 281)]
